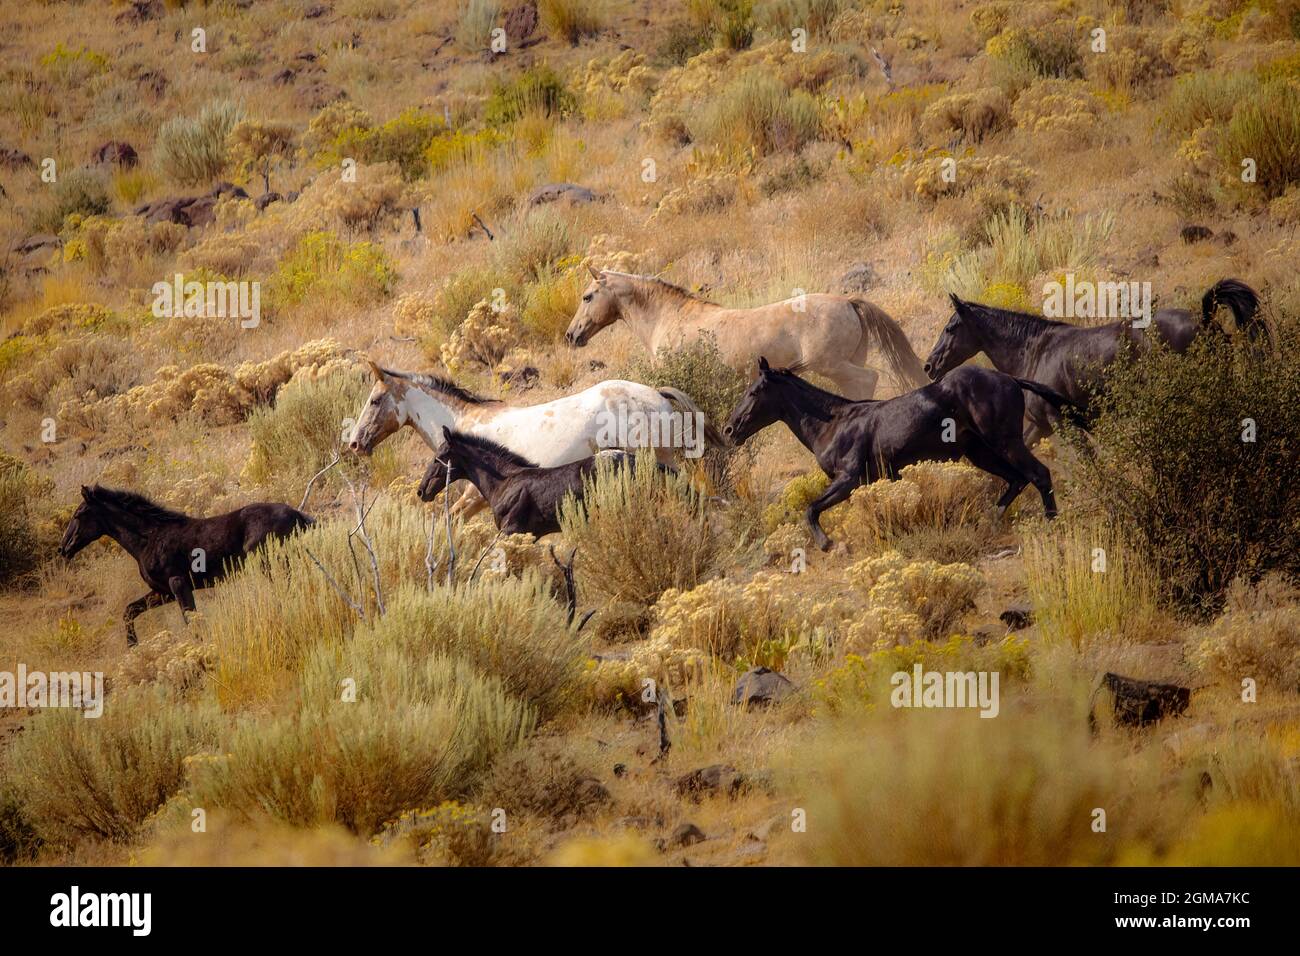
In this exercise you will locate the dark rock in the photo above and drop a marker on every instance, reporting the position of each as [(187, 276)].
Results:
[(14, 158), (291, 196), (620, 769), (1192, 234), (520, 378), (687, 834), (1017, 617), (590, 792), (264, 200), (153, 81), (570, 193), (760, 687), (139, 11), (189, 211), (714, 780), (859, 278), (520, 22), (316, 11), (1142, 702), (284, 77), (595, 365), (117, 153)]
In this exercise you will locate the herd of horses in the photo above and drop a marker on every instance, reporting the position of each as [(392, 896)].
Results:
[(521, 461)]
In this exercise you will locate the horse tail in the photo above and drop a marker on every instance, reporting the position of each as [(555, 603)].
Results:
[(678, 397), (878, 326), (1238, 297), (1042, 391)]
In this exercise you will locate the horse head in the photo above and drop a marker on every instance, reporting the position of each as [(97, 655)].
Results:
[(757, 408), (440, 473), (384, 412), (89, 523), (957, 342), (598, 309)]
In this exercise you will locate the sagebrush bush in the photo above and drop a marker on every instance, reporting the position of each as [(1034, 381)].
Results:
[(1257, 636), (509, 628), (194, 151), (323, 265), (572, 19), (1266, 128), (419, 732), (538, 89), (758, 111), (22, 547), (1194, 462), (77, 193), (639, 533), (910, 601), (78, 777)]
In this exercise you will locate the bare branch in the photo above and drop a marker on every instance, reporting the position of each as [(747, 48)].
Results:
[(307, 492), (473, 573), (361, 612)]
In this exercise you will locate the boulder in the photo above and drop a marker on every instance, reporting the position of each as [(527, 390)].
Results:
[(264, 200), (687, 834), (760, 687), (116, 153), (570, 193), (520, 22), (714, 780), (1141, 702), (1017, 617), (858, 278), (1194, 233)]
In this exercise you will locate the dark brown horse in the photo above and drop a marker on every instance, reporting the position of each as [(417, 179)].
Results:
[(1070, 359), (525, 498), (177, 554), (973, 412)]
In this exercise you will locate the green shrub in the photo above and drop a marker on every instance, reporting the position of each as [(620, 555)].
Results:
[(79, 193), (405, 140), (1197, 97), (324, 265), (103, 777), (1172, 473), (21, 547), (537, 89), (193, 152), (639, 533), (475, 22), (419, 732), (1266, 128), (758, 111), (683, 41)]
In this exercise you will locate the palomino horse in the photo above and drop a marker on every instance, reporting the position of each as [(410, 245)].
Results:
[(552, 433), (167, 545), (1069, 359), (828, 334), (974, 412)]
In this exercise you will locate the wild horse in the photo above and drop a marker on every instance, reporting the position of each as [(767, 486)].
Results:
[(1070, 359), (973, 412), (177, 554), (524, 498)]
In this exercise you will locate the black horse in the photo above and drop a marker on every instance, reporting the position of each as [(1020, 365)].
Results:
[(524, 497), (973, 412), (1070, 359), (177, 554)]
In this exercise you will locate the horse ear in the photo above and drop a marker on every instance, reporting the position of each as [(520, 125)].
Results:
[(446, 433), (762, 364), (594, 274), (376, 371), (957, 303), (86, 493)]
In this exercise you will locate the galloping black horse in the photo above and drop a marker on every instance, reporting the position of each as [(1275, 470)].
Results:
[(177, 554), (973, 412), (524, 497), (1070, 359)]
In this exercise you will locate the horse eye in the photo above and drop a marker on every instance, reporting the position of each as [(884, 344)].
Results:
[(587, 297)]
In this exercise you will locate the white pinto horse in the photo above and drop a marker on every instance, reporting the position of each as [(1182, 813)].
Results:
[(551, 433)]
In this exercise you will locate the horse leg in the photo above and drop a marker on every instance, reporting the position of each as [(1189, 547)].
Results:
[(986, 459), (854, 381), (1022, 458), (137, 607), (835, 492), (183, 591)]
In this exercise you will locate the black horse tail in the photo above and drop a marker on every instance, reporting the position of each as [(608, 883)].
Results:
[(1042, 391), (1238, 297)]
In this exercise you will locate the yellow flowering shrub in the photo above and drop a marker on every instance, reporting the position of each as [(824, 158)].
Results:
[(928, 495), (1065, 110), (926, 175), (615, 681), (1256, 636), (178, 663), (909, 600), (449, 834), (484, 338), (795, 498)]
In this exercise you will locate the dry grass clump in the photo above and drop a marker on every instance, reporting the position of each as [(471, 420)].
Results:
[(1076, 603), (910, 600), (757, 111), (1030, 782), (418, 732), (544, 779), (628, 520), (1256, 636), (78, 777), (178, 663)]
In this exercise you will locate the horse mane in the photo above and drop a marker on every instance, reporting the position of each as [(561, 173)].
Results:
[(655, 287), (136, 505), (487, 445), (1022, 324), (443, 386)]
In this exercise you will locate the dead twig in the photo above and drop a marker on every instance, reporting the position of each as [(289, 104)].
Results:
[(307, 492), (474, 573), (361, 612)]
